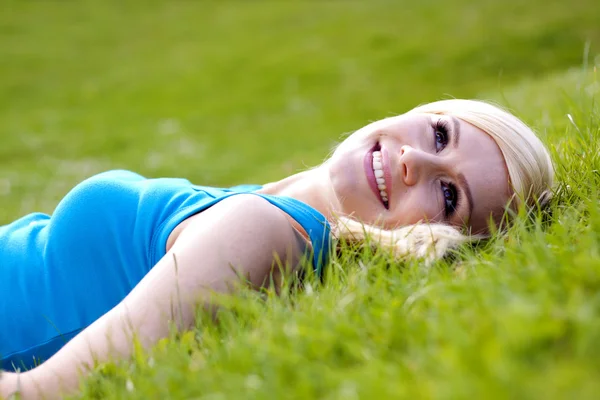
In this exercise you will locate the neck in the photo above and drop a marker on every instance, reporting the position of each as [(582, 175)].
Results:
[(311, 187)]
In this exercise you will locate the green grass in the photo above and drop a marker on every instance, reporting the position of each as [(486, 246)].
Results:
[(246, 92)]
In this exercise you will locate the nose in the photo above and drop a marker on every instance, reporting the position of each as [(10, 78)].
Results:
[(416, 164)]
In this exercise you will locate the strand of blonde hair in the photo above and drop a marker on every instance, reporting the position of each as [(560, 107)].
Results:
[(426, 241)]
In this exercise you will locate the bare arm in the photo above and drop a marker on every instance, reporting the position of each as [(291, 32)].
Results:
[(239, 236)]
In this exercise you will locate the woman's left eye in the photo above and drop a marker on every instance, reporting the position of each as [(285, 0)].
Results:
[(440, 131), (450, 198)]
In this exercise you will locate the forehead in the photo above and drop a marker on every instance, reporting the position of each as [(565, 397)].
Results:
[(479, 159)]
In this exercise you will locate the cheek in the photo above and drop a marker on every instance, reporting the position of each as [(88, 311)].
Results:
[(354, 140), (416, 206)]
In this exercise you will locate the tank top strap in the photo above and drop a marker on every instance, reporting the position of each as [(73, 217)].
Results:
[(314, 223)]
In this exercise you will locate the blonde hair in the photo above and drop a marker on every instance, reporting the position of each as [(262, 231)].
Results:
[(530, 173)]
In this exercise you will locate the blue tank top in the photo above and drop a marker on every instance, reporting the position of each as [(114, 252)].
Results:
[(60, 273)]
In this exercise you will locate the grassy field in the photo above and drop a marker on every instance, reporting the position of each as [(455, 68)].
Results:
[(249, 91)]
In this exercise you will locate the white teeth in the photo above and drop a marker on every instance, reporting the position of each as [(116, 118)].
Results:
[(378, 170)]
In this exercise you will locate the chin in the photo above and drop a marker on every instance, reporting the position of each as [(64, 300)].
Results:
[(356, 202), (349, 183), (343, 176)]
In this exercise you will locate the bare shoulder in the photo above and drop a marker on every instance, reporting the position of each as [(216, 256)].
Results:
[(243, 216), (253, 212), (245, 231)]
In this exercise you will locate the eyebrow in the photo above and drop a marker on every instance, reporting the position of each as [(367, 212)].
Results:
[(456, 130), (465, 185)]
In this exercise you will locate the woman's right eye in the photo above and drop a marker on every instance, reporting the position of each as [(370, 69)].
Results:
[(440, 130)]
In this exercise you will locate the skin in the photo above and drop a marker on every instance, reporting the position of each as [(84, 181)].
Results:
[(168, 294), (340, 186), (243, 236)]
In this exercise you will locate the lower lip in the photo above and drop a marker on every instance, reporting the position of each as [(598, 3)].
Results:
[(368, 164)]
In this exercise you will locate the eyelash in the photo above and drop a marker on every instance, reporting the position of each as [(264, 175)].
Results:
[(449, 191), (450, 204), (440, 132)]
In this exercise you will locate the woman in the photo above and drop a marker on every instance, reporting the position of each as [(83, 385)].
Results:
[(125, 255)]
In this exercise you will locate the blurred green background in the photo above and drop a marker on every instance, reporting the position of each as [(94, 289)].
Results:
[(226, 92), (229, 92)]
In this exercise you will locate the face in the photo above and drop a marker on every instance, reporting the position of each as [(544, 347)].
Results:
[(420, 167)]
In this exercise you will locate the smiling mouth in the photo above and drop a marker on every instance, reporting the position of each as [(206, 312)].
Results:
[(375, 174)]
